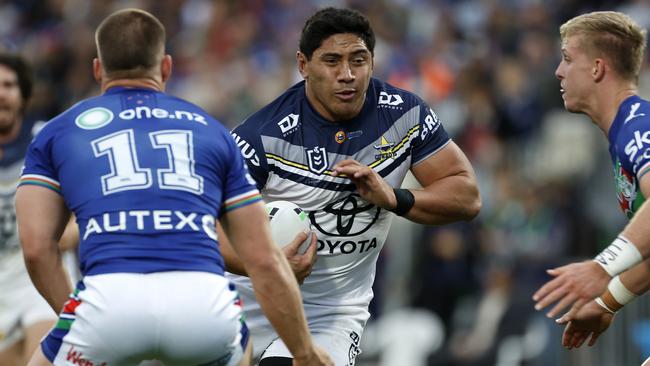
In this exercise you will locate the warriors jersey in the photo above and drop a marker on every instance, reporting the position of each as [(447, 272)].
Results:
[(146, 175), (290, 150), (629, 147)]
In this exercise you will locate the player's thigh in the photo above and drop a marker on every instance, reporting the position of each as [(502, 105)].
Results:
[(341, 344), (12, 354), (39, 359), (34, 333)]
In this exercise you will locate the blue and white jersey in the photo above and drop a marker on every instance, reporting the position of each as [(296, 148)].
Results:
[(146, 175), (629, 147), (290, 150)]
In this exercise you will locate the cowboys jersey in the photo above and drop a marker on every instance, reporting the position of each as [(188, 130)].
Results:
[(146, 175), (290, 150), (629, 139)]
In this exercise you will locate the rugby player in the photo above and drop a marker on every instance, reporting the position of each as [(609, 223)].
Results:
[(602, 54), (339, 145)]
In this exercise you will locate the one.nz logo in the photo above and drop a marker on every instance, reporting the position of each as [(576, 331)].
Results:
[(317, 158)]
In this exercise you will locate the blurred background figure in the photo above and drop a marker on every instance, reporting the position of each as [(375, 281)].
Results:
[(487, 68)]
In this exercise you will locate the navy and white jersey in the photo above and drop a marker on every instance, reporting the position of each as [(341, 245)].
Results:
[(146, 175), (12, 157), (629, 147), (290, 150)]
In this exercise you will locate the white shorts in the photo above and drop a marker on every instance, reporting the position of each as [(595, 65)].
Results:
[(179, 318), (21, 306), (337, 329)]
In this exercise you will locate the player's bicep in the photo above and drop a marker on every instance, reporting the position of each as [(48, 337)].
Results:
[(644, 185), (448, 161), (248, 232), (230, 257), (42, 216)]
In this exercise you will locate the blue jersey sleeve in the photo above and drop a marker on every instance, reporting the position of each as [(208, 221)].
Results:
[(432, 136), (239, 189), (39, 169), (249, 142), (634, 146)]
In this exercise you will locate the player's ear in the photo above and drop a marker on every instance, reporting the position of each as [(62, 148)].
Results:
[(166, 67), (598, 71), (301, 60), (97, 70)]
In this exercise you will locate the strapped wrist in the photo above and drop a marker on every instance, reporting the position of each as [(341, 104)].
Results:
[(405, 201), (619, 292), (619, 256), (602, 304)]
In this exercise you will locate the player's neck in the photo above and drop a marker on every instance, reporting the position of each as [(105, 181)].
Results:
[(608, 102), (145, 83)]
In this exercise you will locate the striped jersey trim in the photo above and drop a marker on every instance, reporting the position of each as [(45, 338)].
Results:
[(40, 180), (241, 200), (413, 132), (644, 169)]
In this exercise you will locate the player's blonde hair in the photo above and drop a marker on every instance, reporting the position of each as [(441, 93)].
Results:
[(610, 35)]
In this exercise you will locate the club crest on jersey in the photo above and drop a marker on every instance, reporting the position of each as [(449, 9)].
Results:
[(385, 149), (317, 158), (288, 124), (340, 137), (94, 118), (626, 190)]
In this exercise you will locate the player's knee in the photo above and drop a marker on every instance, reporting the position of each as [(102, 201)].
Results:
[(276, 361)]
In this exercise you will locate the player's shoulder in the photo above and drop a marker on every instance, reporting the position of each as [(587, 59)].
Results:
[(633, 116), (272, 118)]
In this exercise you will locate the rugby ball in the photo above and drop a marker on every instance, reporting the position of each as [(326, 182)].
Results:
[(287, 220)]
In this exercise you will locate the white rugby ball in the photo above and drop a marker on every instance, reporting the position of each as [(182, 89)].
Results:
[(287, 220)]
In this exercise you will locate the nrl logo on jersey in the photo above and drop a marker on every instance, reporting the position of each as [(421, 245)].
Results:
[(389, 100), (288, 124), (317, 158)]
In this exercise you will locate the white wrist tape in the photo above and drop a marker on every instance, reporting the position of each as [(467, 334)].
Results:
[(620, 293), (600, 302), (619, 256)]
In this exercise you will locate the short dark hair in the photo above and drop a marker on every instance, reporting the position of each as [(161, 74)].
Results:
[(130, 43), (329, 21), (23, 71)]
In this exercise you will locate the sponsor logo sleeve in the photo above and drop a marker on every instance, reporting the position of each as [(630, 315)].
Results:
[(432, 136), (633, 144), (250, 144)]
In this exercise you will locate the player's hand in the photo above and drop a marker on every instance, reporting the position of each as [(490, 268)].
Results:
[(317, 358), (301, 264), (574, 285), (591, 320), (370, 185)]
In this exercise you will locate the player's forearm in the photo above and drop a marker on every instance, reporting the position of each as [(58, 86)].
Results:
[(636, 278), (447, 200), (277, 292), (49, 277)]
